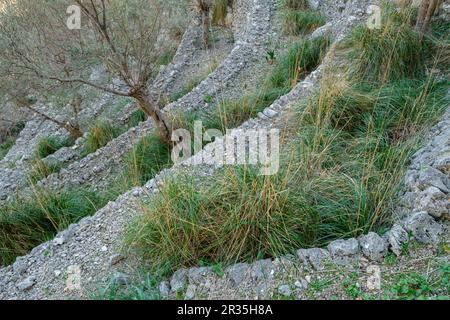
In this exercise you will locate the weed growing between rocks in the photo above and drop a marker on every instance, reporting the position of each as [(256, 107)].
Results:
[(26, 223)]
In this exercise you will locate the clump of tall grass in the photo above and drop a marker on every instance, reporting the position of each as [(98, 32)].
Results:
[(49, 145), (40, 169), (145, 159), (6, 146), (295, 4), (301, 59), (26, 223), (99, 135), (241, 216), (389, 53), (136, 117), (219, 12), (302, 21)]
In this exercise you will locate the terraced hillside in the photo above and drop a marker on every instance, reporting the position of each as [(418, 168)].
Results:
[(361, 186)]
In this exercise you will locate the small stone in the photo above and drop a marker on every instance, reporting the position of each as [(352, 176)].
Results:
[(104, 249), (136, 193), (343, 248), (190, 292), (164, 289), (285, 290), (314, 257), (237, 273), (198, 275), (270, 113), (431, 177), (424, 228), (57, 273), (115, 259), (373, 246), (396, 237), (20, 266), (59, 241), (26, 284)]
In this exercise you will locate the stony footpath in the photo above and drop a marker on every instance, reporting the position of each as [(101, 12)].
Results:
[(91, 250)]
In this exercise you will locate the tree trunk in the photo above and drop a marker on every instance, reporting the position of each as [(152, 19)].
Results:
[(205, 26), (152, 110)]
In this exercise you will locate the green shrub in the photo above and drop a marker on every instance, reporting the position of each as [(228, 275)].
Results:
[(49, 145), (99, 135), (302, 22), (148, 157), (26, 223)]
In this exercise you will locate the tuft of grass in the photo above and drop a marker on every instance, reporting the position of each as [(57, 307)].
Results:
[(219, 12), (26, 223), (40, 170), (228, 221), (136, 117), (6, 146), (333, 183), (295, 4), (49, 145), (301, 59), (302, 21), (387, 54), (99, 135), (145, 159)]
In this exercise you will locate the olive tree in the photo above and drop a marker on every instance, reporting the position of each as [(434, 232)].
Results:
[(41, 50)]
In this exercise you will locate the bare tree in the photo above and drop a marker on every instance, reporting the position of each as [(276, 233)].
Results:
[(125, 36)]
